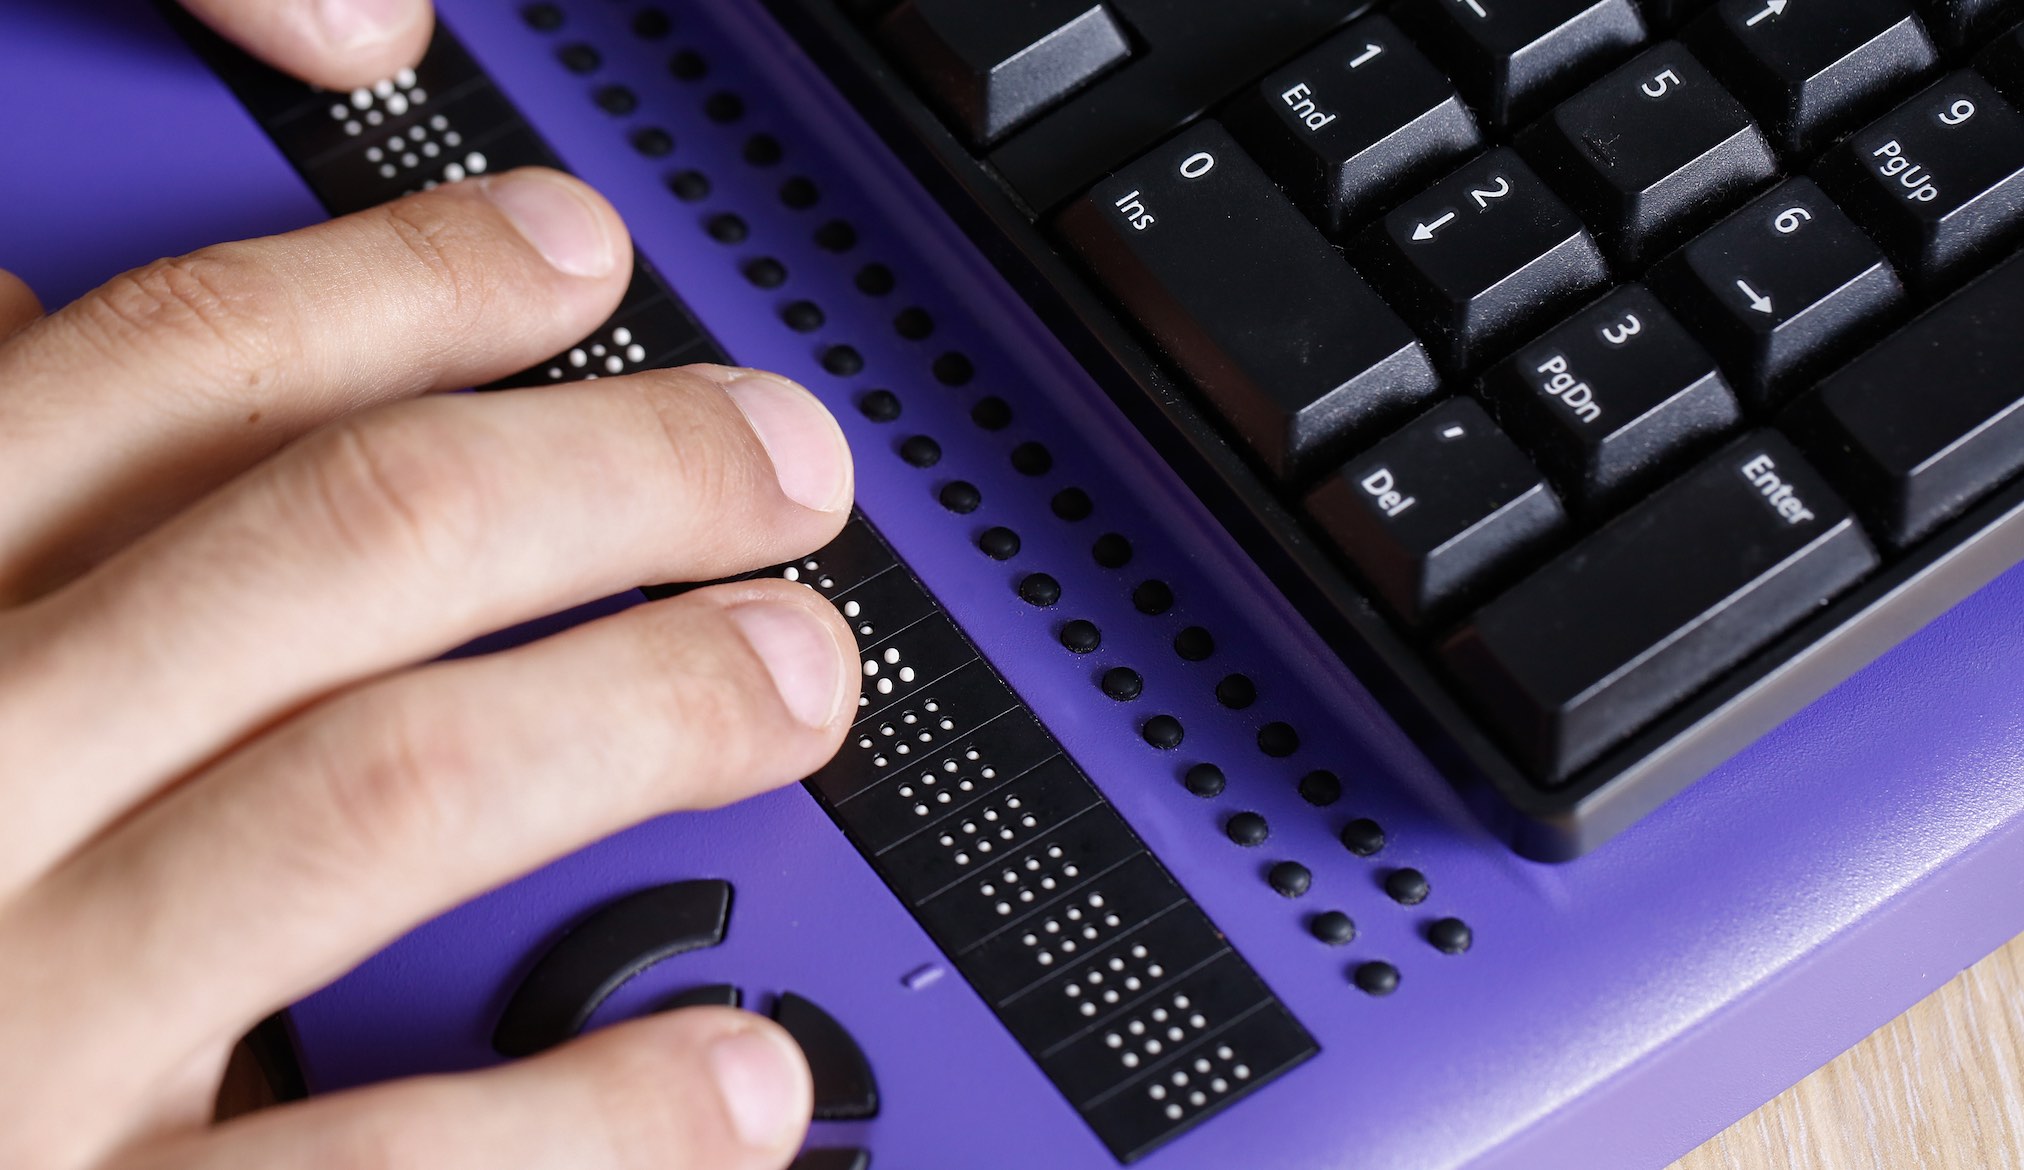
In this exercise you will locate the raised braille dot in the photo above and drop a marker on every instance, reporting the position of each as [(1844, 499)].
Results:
[(542, 17), (1111, 551), (802, 316), (1290, 879), (1152, 598), (688, 65), (1194, 644), (1123, 683), (800, 193), (1163, 732), (836, 236), (723, 107), (1278, 740), (1072, 504), (693, 187), (1032, 459), (960, 497), (579, 58), (1205, 780), (1081, 636), (763, 150), (652, 24), (921, 451), (993, 413), (1320, 788), (875, 280), (1332, 927), (1247, 829), (1450, 936), (1000, 544), (727, 229), (1363, 837), (1236, 692), (954, 369), (616, 100), (1039, 589), (843, 361), (1407, 887), (1377, 978), (879, 405), (653, 142), (914, 324)]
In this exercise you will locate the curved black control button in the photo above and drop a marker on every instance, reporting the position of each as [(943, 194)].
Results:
[(844, 1088), (836, 1158), (597, 956), (709, 995)]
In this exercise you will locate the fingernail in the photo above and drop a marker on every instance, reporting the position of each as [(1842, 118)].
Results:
[(557, 218), (802, 655), (756, 1071), (350, 25), (808, 450)]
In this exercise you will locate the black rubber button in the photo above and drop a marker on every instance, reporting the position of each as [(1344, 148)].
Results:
[(727, 229), (1321, 788), (803, 316), (1332, 927), (879, 405), (921, 451), (1081, 636), (723, 107), (1378, 978), (1291, 879), (652, 24), (616, 100), (1204, 780), (1236, 692), (1152, 598), (1164, 732), (1278, 740), (1072, 504), (765, 272), (954, 369), (914, 324), (1123, 683), (836, 236), (614, 943), (993, 413), (1407, 887), (1450, 936), (709, 995), (1000, 544), (688, 65), (1111, 550), (800, 193), (1247, 829), (961, 497), (579, 58), (843, 361), (1032, 459), (763, 150), (844, 1087), (875, 280), (1363, 837), (1194, 644), (1039, 589), (693, 187), (542, 17), (653, 142)]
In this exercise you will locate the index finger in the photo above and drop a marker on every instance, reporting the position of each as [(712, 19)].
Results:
[(339, 44)]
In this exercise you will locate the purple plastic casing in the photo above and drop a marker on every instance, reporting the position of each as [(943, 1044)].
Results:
[(1613, 1012)]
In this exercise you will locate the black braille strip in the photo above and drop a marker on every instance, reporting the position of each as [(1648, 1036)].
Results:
[(1111, 550), (961, 497), (1152, 598), (579, 58), (766, 272), (800, 193), (688, 65), (763, 150), (843, 361), (1320, 788), (1000, 544), (542, 17), (1081, 636), (1123, 683), (652, 24), (723, 107), (802, 316), (1407, 887), (1204, 780), (875, 280), (1450, 936), (1278, 740), (1332, 927), (1163, 732), (1032, 459), (914, 324), (653, 142), (1247, 829), (1290, 879), (836, 236), (1039, 589), (691, 187), (1377, 978), (727, 229), (921, 451), (879, 405), (1236, 692), (993, 413), (1363, 837), (954, 369), (1194, 644), (1072, 504), (617, 100)]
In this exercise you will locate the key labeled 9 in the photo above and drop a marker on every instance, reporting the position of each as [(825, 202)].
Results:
[(1959, 112)]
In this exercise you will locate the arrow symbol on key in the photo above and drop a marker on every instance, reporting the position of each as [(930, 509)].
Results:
[(1771, 8), (1426, 231), (1758, 301)]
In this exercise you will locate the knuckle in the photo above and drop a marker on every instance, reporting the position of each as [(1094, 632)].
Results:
[(391, 774), (721, 468), (448, 251), (215, 309), (394, 488)]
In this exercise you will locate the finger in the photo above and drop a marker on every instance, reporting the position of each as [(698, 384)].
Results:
[(273, 872), (18, 304), (701, 1089), (150, 391), (340, 44), (387, 539)]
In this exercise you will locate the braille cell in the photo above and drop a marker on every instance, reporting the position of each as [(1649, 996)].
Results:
[(1194, 644), (1123, 683), (579, 58), (843, 361), (1072, 504), (765, 272), (542, 17), (727, 229), (1205, 780), (1247, 829), (879, 405), (1039, 589), (723, 107), (802, 316), (1407, 887), (1032, 459), (1236, 692), (1278, 740), (921, 451), (1111, 551), (1290, 879), (836, 236), (1321, 788), (800, 193), (688, 65), (961, 497), (763, 150), (616, 100), (693, 187), (914, 324), (653, 142), (1000, 544), (993, 413), (1450, 936), (1153, 597), (1163, 732), (1377, 978), (1363, 837), (651, 24), (1081, 636), (1332, 927), (875, 280)]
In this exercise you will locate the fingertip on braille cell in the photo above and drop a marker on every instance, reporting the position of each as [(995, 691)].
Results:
[(999, 543), (1376, 978), (1363, 837), (920, 451), (1450, 936), (1407, 886), (1205, 780), (1163, 732), (1247, 829), (1039, 590), (1081, 636), (1320, 788), (1122, 683), (1290, 879), (961, 497)]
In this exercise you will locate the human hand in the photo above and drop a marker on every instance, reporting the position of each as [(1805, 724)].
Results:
[(230, 525)]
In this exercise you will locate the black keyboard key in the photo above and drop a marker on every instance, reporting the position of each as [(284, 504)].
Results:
[(2003, 63), (1957, 24), (1352, 122), (1288, 343), (1814, 69), (1666, 15), (1657, 604), (992, 66), (1939, 181), (1481, 255), (1612, 399), (1652, 152), (1513, 58), (1438, 512), (1780, 289), (1918, 428)]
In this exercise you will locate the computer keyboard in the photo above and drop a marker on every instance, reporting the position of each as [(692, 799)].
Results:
[(1607, 379)]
